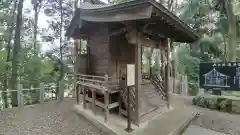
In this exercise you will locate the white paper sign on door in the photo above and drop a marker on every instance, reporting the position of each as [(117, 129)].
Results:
[(130, 74)]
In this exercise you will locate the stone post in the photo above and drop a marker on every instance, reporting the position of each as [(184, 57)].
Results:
[(20, 95), (42, 91), (61, 90)]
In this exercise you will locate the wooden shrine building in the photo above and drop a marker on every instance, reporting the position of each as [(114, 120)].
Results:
[(115, 34)]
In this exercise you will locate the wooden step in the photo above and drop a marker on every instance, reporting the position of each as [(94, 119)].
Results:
[(150, 99)]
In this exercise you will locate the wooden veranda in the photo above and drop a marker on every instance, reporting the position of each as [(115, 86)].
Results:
[(115, 34)]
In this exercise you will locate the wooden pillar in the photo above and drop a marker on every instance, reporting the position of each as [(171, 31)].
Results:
[(120, 103), (142, 59), (167, 70), (138, 78), (174, 75), (89, 67), (93, 101), (162, 63), (84, 98), (106, 104), (76, 59)]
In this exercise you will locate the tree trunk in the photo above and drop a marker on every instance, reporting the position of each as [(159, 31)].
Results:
[(15, 54), (225, 48), (61, 23), (36, 83), (61, 47), (5, 81), (232, 33), (36, 12), (76, 4)]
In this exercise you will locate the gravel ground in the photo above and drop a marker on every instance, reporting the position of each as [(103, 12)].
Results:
[(214, 120), (53, 118), (219, 121)]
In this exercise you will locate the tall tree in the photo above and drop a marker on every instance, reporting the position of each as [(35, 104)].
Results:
[(9, 39), (76, 4), (15, 53), (61, 28), (60, 44), (61, 11), (232, 30), (225, 7), (37, 4)]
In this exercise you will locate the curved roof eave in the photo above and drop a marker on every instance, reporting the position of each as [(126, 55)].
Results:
[(89, 8)]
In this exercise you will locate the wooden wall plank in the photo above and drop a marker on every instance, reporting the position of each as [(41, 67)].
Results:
[(99, 50)]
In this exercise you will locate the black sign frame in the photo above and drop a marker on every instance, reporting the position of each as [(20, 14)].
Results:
[(220, 75)]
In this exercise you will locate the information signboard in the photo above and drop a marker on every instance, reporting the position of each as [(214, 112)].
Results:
[(225, 76), (130, 74)]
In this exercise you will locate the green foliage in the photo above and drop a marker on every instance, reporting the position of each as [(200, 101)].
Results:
[(27, 72), (193, 88), (3, 55), (156, 67), (53, 10), (5, 19), (212, 26), (236, 6), (32, 66), (213, 102), (188, 65)]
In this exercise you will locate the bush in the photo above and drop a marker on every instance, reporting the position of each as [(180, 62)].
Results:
[(226, 105), (192, 89), (200, 101), (213, 102)]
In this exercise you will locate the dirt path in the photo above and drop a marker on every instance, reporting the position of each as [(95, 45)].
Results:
[(52, 118)]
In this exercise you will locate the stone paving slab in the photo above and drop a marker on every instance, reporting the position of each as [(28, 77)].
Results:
[(52, 118), (163, 124), (169, 122), (196, 130)]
